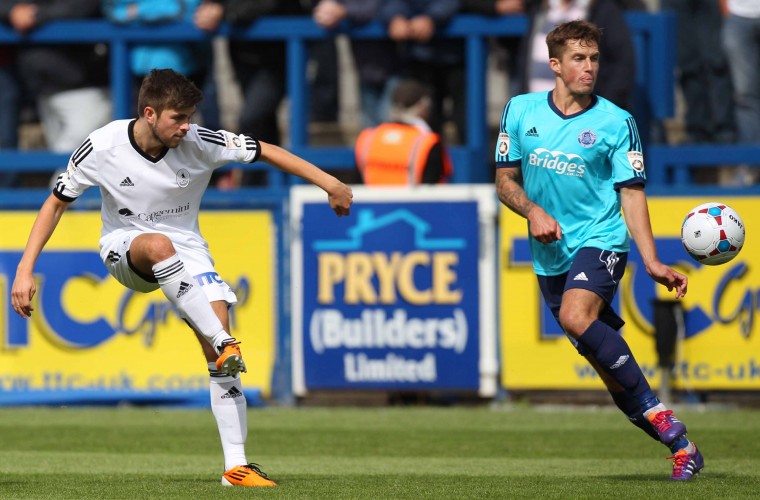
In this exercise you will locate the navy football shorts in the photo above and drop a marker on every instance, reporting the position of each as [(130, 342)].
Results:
[(599, 271)]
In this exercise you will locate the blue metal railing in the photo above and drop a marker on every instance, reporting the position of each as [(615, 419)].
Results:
[(653, 34)]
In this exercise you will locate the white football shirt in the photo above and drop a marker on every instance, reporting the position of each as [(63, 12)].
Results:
[(157, 195)]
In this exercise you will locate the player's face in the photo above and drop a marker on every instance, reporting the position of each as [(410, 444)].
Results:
[(578, 66), (171, 126)]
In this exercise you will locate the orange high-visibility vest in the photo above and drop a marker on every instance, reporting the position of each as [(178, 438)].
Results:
[(397, 154)]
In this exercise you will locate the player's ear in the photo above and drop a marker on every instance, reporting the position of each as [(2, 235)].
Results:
[(554, 65), (150, 115)]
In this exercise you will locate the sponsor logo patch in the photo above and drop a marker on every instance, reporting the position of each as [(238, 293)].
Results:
[(503, 144), (636, 159)]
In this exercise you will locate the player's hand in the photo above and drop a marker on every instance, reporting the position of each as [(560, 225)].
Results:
[(340, 198), (668, 277), (22, 292), (543, 227)]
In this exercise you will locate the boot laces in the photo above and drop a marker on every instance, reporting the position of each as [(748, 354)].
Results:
[(661, 420), (256, 468), (680, 460)]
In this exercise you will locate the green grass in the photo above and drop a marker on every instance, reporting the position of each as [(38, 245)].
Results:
[(442, 453)]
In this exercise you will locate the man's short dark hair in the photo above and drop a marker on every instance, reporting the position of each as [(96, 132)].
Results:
[(166, 89), (583, 31)]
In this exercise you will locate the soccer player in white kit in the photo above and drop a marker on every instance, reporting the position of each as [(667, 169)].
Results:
[(152, 173)]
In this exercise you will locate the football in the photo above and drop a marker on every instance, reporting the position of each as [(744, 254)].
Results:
[(712, 233)]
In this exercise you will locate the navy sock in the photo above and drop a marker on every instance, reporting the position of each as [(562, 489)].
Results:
[(632, 409), (679, 444), (616, 359)]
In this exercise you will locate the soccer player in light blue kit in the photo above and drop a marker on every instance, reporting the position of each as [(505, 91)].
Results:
[(568, 161)]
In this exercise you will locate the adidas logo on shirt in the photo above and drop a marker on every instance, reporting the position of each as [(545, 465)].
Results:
[(532, 132), (127, 182), (580, 277), (183, 289), (232, 393)]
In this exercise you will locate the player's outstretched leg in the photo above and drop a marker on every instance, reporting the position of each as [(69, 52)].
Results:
[(615, 358), (184, 293), (687, 462)]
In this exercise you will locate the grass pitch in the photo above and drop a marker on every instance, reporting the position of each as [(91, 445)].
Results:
[(442, 453)]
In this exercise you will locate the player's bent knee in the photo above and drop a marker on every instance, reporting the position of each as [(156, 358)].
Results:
[(152, 247), (573, 322)]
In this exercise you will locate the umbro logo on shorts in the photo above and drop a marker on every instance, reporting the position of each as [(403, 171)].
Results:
[(183, 289), (113, 257), (580, 277), (532, 132), (234, 392), (127, 182)]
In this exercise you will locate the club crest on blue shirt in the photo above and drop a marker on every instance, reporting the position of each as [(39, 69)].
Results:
[(587, 138), (503, 143)]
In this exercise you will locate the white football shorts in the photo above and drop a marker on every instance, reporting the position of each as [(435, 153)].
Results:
[(113, 252)]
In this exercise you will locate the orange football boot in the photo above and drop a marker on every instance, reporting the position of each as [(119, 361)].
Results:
[(246, 475), (230, 361)]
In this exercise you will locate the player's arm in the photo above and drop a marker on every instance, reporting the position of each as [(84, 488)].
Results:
[(636, 211), (338, 194), (543, 227), (23, 285)]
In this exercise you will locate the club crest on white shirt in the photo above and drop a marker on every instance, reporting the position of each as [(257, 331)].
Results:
[(183, 178)]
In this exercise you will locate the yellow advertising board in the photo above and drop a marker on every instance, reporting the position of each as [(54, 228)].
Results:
[(91, 337), (720, 349)]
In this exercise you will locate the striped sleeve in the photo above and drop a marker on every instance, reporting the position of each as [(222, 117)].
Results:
[(628, 158), (80, 174), (224, 147), (506, 144)]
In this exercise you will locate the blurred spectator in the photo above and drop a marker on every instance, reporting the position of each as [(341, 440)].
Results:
[(68, 82), (703, 72), (405, 151), (507, 47), (10, 97), (259, 67), (324, 83), (376, 61), (193, 60), (741, 40), (436, 62), (616, 80)]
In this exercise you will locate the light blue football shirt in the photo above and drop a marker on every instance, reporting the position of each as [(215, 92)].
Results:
[(573, 167)]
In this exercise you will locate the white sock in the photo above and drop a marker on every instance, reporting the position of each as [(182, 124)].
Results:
[(655, 409), (186, 295), (229, 408)]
